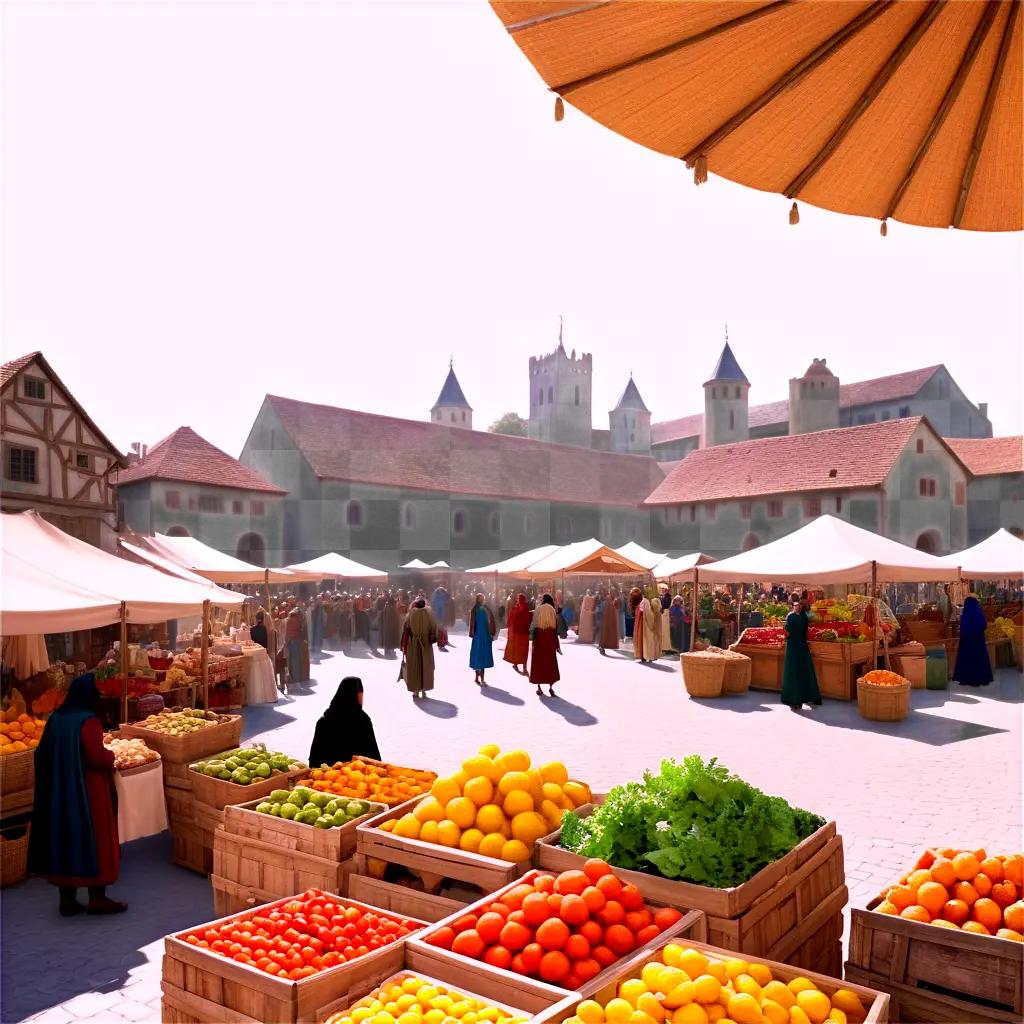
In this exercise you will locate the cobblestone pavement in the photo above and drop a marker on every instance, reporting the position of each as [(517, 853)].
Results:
[(949, 774)]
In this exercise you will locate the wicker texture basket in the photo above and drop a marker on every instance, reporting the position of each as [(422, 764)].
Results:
[(703, 676), (883, 703), (13, 860), (736, 678), (17, 771)]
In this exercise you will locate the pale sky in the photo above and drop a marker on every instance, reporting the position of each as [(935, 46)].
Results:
[(203, 203)]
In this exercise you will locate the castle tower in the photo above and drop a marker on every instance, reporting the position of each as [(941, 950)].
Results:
[(814, 400), (560, 387), (451, 407), (725, 402), (630, 423)]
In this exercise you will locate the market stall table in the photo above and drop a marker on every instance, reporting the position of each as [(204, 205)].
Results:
[(258, 676), (141, 810)]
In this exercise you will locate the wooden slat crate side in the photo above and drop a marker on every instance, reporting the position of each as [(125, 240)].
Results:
[(180, 1007), (400, 899), (280, 872), (176, 776), (192, 746), (193, 848), (220, 794)]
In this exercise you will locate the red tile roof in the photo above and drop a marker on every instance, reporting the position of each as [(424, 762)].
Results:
[(360, 447), (990, 456), (864, 392), (15, 366), (189, 458), (826, 460)]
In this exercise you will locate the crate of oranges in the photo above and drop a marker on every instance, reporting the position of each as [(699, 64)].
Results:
[(19, 738), (947, 940), (363, 778)]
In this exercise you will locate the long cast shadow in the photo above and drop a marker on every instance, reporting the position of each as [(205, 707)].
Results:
[(437, 708), (572, 713), (501, 696)]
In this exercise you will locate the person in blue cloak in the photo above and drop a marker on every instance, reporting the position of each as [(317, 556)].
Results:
[(74, 839), (973, 666)]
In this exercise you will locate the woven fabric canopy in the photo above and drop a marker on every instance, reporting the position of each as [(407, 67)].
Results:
[(908, 110), (998, 557)]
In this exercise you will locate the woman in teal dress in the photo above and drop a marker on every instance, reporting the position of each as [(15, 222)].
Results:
[(482, 631), (799, 682)]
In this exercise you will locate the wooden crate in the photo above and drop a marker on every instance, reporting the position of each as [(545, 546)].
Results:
[(936, 974), (876, 1003), (790, 911), (192, 835), (765, 665), (400, 899), (219, 794), (307, 779), (836, 664), (17, 802), (530, 993), (201, 986), (433, 863), (193, 746), (177, 776)]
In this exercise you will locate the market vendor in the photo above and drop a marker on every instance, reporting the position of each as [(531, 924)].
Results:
[(258, 633), (344, 729), (74, 839)]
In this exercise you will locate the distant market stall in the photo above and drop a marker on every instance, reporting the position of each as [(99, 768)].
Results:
[(338, 567), (999, 557)]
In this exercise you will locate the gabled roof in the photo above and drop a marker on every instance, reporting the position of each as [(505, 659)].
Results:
[(451, 393), (362, 447), (827, 460), (186, 457), (728, 368), (9, 371), (990, 456), (630, 398)]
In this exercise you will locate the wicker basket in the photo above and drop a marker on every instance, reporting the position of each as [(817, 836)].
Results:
[(925, 630), (13, 859), (883, 703), (703, 676), (736, 677), (17, 771)]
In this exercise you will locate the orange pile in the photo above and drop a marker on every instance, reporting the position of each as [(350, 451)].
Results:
[(21, 733), (363, 780), (962, 889), (881, 677)]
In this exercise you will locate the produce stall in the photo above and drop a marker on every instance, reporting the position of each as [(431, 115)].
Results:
[(138, 779)]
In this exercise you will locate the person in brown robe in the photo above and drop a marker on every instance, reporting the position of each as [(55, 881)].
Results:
[(390, 626), (641, 644), (608, 638), (543, 659), (419, 634), (517, 646)]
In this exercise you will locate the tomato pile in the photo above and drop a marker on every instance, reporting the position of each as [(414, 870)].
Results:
[(302, 937), (563, 930)]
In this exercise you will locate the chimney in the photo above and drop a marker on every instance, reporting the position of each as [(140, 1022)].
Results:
[(983, 409), (145, 450)]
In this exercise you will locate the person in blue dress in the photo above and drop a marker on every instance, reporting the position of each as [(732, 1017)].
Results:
[(973, 666), (482, 630)]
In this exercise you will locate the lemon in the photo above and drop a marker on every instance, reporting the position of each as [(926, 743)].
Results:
[(745, 983), (672, 954), (552, 791), (491, 845), (639, 1017), (515, 852), (685, 992), (695, 964), (578, 793), (716, 1012), (428, 832), (389, 825), (480, 790), (743, 1009), (691, 1013), (407, 827), (631, 990), (513, 780), (517, 802), (462, 811), (444, 790), (481, 764), (836, 1016), (708, 988), (798, 985), (650, 973), (528, 827), (618, 1011), (490, 818), (554, 771), (590, 1012), (408, 1018), (448, 833), (429, 809), (774, 1013), (667, 978), (470, 840), (649, 1003), (797, 1016), (513, 761), (779, 992), (536, 787), (433, 1017), (760, 973), (552, 814), (734, 967), (491, 750), (717, 970), (815, 1004), (847, 1001)]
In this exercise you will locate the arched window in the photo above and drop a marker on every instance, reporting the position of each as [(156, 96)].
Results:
[(453, 417), (458, 521), (930, 542), (251, 549), (577, 394), (463, 415), (551, 395), (178, 531), (354, 514), (540, 397)]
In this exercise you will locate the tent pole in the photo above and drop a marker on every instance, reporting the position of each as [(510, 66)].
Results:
[(693, 621), (739, 611), (874, 604), (124, 662), (204, 656), (269, 623)]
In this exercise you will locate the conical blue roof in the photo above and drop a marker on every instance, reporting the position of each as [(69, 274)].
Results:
[(631, 398), (451, 393), (728, 368)]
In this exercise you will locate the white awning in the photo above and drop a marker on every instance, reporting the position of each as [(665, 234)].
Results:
[(216, 565), (418, 563), (681, 568), (517, 562), (338, 567), (998, 557), (638, 553), (585, 557)]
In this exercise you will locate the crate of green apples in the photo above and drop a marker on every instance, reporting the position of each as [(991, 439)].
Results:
[(310, 807), (239, 776)]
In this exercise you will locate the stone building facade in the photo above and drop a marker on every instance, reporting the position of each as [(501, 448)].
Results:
[(995, 495)]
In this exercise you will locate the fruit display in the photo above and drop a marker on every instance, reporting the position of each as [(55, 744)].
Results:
[(687, 986), (138, 686), (49, 700), (175, 676), (19, 732), (497, 805), (763, 636), (129, 753), (312, 808), (413, 1000), (302, 936), (882, 677), (692, 821), (180, 723), (247, 765), (387, 784), (965, 889), (828, 609), (562, 929), (839, 632)]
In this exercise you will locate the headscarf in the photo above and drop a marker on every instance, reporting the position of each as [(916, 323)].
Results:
[(83, 697), (972, 618), (344, 729), (548, 599)]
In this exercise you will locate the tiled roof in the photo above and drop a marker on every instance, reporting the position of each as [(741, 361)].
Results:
[(630, 398), (818, 368), (186, 457), (990, 456), (826, 460), (728, 368), (864, 392), (360, 447), (15, 366), (451, 393)]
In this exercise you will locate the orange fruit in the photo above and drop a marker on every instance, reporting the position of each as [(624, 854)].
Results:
[(943, 872), (966, 892), (982, 883), (1004, 893), (966, 866), (916, 913), (1013, 916), (885, 907), (956, 911), (976, 928), (1009, 933), (1013, 869), (901, 897), (918, 878), (988, 913), (993, 867), (932, 897), (940, 923)]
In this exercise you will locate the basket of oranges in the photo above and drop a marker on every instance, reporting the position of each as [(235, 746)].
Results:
[(18, 741), (883, 696)]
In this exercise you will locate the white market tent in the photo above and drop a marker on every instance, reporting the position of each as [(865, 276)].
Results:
[(338, 567), (418, 563), (638, 553), (215, 565), (829, 550), (517, 563), (136, 553), (998, 557), (682, 568), (584, 557)]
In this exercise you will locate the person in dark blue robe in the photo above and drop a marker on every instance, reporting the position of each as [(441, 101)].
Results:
[(799, 680), (973, 666)]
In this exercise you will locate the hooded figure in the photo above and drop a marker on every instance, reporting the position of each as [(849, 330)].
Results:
[(344, 729), (517, 646), (973, 666), (544, 661), (74, 838)]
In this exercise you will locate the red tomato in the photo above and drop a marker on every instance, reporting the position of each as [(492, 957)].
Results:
[(611, 913), (610, 886), (515, 936), (631, 898), (593, 898), (665, 917), (619, 939), (554, 967), (532, 955), (517, 917), (513, 899), (519, 964), (499, 908), (595, 869), (443, 937), (637, 920), (571, 883), (464, 923), (498, 956), (586, 969), (489, 928), (573, 911), (577, 948), (592, 932), (648, 934), (553, 934), (535, 909), (544, 883), (555, 902)]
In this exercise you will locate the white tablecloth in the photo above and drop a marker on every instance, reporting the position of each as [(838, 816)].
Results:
[(258, 676), (141, 810)]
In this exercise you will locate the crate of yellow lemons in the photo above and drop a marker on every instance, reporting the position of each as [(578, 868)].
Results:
[(690, 986), (497, 805)]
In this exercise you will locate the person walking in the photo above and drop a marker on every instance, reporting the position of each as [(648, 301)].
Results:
[(666, 621), (635, 597), (585, 629), (973, 667), (344, 729), (640, 611), (678, 634), (543, 658), (419, 635), (799, 681), (390, 626), (73, 839), (517, 645), (608, 636), (297, 646), (652, 629), (483, 628)]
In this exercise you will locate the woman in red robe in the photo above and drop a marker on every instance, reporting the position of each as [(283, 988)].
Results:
[(517, 646), (74, 839), (544, 661)]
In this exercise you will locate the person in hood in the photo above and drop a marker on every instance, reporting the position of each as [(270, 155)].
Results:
[(344, 729)]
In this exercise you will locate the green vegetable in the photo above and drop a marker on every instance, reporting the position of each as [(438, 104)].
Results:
[(694, 822)]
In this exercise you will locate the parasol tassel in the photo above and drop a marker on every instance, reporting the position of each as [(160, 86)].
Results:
[(884, 229), (700, 170), (559, 108), (794, 214)]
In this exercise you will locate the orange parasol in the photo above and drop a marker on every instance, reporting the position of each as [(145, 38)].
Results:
[(908, 110)]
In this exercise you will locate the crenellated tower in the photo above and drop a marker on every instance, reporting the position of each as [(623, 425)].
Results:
[(560, 397)]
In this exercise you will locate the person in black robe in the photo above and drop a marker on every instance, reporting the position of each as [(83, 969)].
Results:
[(344, 729), (258, 633), (973, 666)]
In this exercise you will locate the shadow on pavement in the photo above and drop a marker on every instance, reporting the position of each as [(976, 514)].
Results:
[(572, 713), (437, 708), (501, 696)]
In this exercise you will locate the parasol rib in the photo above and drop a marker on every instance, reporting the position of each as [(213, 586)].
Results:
[(985, 118), (982, 30), (665, 51), (544, 19), (900, 54), (797, 72)]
